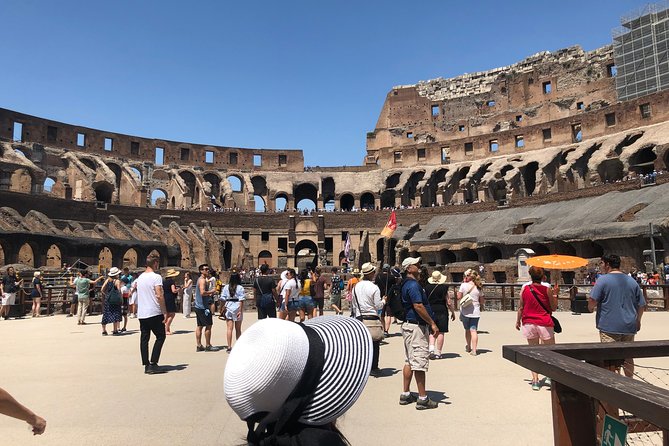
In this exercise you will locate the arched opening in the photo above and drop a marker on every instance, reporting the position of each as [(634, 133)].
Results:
[(215, 182), (540, 250), (346, 202), (21, 153), (265, 257), (280, 202), (21, 181), (342, 258), (367, 201), (26, 255), (431, 188), (306, 204), (88, 163), (643, 161), (305, 191), (468, 255), (103, 192), (159, 199), (136, 173), (490, 253), (259, 203), (227, 254), (590, 249), (48, 185), (306, 253), (379, 250), (529, 174), (173, 202), (388, 198), (130, 259), (563, 248), (189, 180), (666, 159), (410, 188), (393, 180), (446, 256), (328, 192), (611, 170), (53, 257), (105, 258), (235, 183), (117, 174)]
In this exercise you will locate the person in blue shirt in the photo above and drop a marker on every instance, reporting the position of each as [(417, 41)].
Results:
[(620, 305), (416, 334)]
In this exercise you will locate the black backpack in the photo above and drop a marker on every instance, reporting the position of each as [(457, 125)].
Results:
[(395, 302)]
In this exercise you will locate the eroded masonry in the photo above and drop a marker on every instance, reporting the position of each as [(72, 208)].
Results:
[(549, 153)]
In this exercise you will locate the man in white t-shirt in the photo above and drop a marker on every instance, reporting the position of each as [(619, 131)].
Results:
[(151, 314)]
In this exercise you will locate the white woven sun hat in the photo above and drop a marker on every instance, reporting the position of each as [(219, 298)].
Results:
[(325, 362)]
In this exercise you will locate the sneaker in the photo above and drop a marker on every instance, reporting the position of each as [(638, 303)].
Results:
[(548, 382), (199, 348), (426, 403), (69, 315), (473, 352), (408, 399), (209, 348), (468, 349), (536, 386)]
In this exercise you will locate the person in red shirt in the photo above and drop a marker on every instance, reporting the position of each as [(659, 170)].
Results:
[(533, 319)]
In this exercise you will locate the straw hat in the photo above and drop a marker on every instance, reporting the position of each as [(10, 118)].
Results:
[(114, 272), (437, 278), (368, 268), (325, 361), (171, 273)]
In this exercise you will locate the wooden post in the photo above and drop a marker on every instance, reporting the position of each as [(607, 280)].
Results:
[(503, 298), (48, 302), (573, 417)]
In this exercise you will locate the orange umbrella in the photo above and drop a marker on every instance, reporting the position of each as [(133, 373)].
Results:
[(557, 261)]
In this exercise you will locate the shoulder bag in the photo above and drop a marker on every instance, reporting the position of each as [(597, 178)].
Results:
[(373, 324), (467, 300), (557, 328)]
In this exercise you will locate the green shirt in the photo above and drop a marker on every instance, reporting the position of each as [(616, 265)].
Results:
[(83, 286)]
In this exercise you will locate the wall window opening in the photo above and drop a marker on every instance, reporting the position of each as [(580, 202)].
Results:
[(494, 145), (209, 157), (18, 132), (160, 156), (109, 144), (81, 139)]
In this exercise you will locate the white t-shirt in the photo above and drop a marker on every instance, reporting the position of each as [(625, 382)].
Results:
[(472, 310), (290, 285), (147, 303), (368, 298)]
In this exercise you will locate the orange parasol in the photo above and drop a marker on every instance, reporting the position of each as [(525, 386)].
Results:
[(557, 261)]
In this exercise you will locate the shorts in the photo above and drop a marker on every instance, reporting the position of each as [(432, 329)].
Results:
[(416, 340), (335, 299), (133, 298), (231, 315), (319, 303), (533, 331), (8, 298), (203, 320), (307, 304), (470, 323), (124, 305), (615, 337), (293, 305), (74, 300)]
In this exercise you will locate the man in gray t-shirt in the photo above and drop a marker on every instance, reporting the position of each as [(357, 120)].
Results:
[(619, 303)]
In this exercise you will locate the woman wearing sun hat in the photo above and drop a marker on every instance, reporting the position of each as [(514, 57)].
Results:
[(441, 302), (170, 290), (305, 376), (111, 307)]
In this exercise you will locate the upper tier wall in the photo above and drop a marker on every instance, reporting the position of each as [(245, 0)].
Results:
[(100, 142)]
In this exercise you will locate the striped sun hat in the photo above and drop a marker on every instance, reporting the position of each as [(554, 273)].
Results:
[(317, 369)]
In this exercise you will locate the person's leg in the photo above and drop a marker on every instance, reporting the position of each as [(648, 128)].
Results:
[(238, 329), (535, 375), (439, 344), (420, 383), (376, 349), (104, 329), (431, 346), (628, 367), (125, 321), (198, 336), (158, 329), (145, 335), (168, 322), (475, 340), (228, 335), (207, 335), (468, 340), (407, 374)]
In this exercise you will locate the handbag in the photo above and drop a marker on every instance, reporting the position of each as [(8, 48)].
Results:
[(557, 328), (114, 295), (374, 326), (467, 300), (266, 299)]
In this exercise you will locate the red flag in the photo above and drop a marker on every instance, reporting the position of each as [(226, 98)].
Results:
[(390, 226)]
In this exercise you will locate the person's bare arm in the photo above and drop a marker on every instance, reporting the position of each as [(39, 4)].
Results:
[(519, 316), (160, 297), (10, 407), (639, 313), (592, 304)]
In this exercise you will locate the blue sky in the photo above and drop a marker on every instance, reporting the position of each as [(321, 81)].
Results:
[(293, 74)]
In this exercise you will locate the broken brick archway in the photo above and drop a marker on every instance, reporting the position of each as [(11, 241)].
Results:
[(346, 202), (130, 258), (105, 258), (27, 255), (306, 253), (54, 256), (265, 257)]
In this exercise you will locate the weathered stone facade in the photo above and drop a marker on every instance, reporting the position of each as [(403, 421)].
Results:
[(548, 128)]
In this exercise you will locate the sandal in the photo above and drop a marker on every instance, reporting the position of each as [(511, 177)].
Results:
[(104, 333)]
